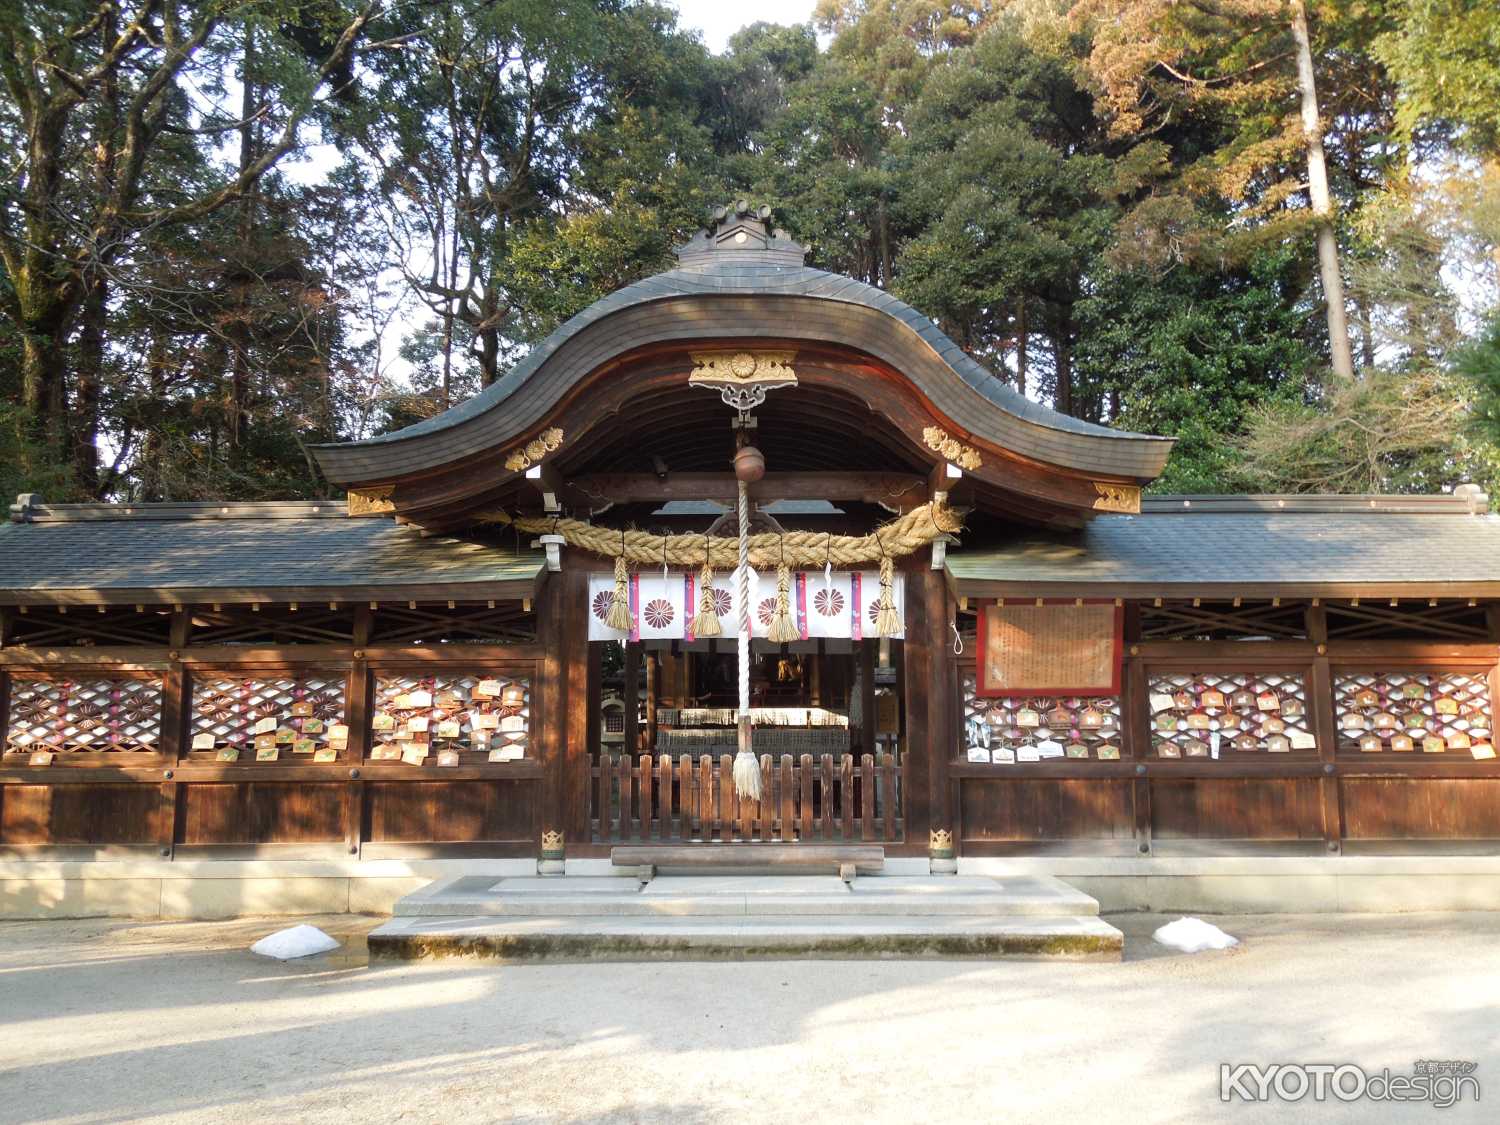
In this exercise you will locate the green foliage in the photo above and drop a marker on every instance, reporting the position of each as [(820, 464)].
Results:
[(1445, 57), (1100, 200), (1478, 362), (27, 465), (1190, 354), (1400, 431)]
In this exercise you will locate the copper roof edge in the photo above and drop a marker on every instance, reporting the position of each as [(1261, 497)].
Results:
[(30, 508), (1464, 500)]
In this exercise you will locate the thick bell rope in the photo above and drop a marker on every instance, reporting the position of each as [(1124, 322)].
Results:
[(746, 768)]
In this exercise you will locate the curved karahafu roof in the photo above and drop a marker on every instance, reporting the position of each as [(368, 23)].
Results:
[(742, 281)]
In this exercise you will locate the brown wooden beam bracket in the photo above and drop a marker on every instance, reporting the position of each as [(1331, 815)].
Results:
[(549, 485), (598, 489)]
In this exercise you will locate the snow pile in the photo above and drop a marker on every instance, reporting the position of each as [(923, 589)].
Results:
[(1193, 935), (299, 941)]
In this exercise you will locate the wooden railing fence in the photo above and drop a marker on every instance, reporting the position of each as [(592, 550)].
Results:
[(809, 798)]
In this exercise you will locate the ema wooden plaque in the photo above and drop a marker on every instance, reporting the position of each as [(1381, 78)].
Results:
[(1050, 649)]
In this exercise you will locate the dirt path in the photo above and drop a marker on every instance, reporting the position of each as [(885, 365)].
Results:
[(104, 1021)]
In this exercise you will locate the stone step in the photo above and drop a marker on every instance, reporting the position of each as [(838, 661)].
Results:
[(891, 896), (831, 936)]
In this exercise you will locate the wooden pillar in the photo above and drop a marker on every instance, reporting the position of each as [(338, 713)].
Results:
[(1492, 620), (595, 697), (176, 720), (574, 716), (4, 710), (915, 686), (632, 697), (928, 683), (1325, 730), (1135, 727), (653, 685), (552, 698), (357, 716), (866, 657)]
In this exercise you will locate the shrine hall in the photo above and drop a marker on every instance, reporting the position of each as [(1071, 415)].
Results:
[(745, 554)]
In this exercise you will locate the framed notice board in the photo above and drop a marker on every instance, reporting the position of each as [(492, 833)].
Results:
[(1056, 648)]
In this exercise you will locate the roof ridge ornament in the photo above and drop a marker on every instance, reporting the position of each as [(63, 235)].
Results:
[(741, 232)]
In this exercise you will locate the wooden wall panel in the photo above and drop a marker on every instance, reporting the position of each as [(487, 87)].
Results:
[(451, 811), (1046, 809), (261, 813), (1236, 809), (78, 814), (1433, 808)]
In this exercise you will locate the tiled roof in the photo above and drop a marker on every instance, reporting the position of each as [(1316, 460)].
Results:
[(1303, 550), (284, 551)]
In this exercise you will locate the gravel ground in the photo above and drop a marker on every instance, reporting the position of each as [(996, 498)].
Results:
[(115, 1021)]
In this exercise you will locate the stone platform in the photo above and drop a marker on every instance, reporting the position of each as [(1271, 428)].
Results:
[(735, 917)]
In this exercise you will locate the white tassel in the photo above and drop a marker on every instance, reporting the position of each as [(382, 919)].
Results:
[(747, 775)]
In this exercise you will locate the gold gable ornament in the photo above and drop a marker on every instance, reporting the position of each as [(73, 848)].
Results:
[(1117, 498), (372, 501), (743, 378)]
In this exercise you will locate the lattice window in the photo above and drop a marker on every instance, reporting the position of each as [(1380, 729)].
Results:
[(1218, 715), (1448, 620), (499, 623), (86, 626), (312, 623), (437, 719), (244, 719), (1033, 730), (1223, 620), (76, 715), (1415, 712)]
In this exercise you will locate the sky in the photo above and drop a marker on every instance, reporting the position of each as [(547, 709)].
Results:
[(718, 20)]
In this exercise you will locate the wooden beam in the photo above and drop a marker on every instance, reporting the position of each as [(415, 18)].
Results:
[(595, 489), (548, 485)]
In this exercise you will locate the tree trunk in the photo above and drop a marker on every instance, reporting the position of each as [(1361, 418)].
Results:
[(88, 380), (153, 448), (239, 324), (886, 267), (489, 356), (1322, 203), (94, 322), (44, 365), (1021, 346), (1063, 351), (1366, 332)]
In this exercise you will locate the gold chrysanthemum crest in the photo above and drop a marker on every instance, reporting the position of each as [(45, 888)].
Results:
[(534, 450)]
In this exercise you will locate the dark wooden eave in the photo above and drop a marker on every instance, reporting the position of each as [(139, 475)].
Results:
[(627, 355)]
